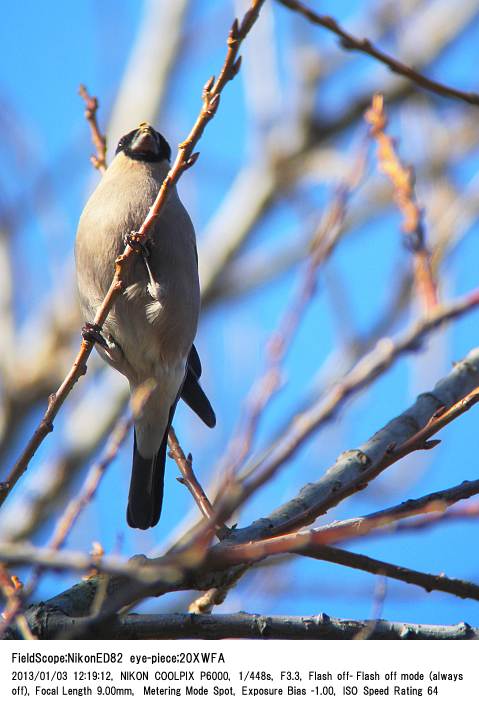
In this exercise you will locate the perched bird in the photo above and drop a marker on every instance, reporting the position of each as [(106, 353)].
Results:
[(149, 332)]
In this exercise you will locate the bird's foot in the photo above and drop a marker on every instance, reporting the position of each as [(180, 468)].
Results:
[(133, 239), (92, 333)]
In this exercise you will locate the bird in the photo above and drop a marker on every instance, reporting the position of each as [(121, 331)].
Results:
[(149, 332)]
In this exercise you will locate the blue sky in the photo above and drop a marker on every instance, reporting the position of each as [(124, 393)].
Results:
[(53, 46)]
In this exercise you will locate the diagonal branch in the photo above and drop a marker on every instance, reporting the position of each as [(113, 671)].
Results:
[(434, 502), (429, 582), (184, 160), (315, 544), (352, 43), (323, 243), (173, 572), (189, 479), (352, 471), (304, 425), (82, 499)]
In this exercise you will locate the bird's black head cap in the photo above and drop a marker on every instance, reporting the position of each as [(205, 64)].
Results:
[(144, 144)]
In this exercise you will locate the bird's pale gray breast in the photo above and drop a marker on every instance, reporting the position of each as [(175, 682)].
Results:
[(149, 324)]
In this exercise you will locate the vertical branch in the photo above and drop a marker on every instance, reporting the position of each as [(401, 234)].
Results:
[(378, 602), (98, 139), (402, 178)]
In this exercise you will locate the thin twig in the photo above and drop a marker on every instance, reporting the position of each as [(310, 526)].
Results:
[(98, 139), (456, 513), (351, 43), (429, 582), (434, 503), (323, 243), (12, 589), (56, 480), (189, 479), (403, 182), (90, 486), (184, 160)]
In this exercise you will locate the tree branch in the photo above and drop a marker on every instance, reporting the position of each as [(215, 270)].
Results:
[(314, 544), (50, 623), (402, 179), (367, 370), (184, 160), (99, 141), (351, 43), (189, 479), (434, 502), (323, 243), (355, 468)]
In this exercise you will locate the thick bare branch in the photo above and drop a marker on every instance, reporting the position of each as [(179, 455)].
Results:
[(367, 370), (51, 623)]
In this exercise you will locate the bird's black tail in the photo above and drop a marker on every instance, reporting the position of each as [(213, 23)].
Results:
[(146, 487)]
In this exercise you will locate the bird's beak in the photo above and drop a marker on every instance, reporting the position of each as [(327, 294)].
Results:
[(145, 140)]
